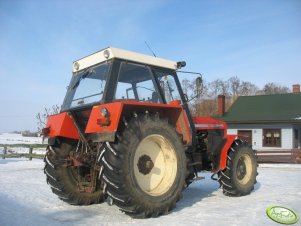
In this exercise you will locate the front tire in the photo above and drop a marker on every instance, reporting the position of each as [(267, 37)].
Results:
[(145, 169), (239, 177)]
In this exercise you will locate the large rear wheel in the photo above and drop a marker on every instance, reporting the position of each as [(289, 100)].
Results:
[(71, 180), (145, 169)]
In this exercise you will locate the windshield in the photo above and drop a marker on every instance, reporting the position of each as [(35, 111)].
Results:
[(87, 86)]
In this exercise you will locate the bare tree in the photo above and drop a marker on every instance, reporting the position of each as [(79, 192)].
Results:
[(247, 89), (234, 83), (188, 88), (241, 88), (218, 87), (42, 117), (206, 107), (273, 88), (231, 89)]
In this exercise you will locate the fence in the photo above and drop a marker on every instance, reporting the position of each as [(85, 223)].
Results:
[(8, 151), (279, 156), (263, 156)]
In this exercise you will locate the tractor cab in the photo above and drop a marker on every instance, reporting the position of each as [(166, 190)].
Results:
[(121, 75), (131, 79)]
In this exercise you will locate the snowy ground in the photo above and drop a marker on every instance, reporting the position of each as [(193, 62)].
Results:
[(26, 199), (13, 138), (22, 150)]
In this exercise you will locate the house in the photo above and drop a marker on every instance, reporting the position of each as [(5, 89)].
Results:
[(271, 123)]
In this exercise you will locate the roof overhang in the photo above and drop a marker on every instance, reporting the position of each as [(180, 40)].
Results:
[(110, 53)]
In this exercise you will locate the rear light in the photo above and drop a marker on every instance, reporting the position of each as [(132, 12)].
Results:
[(104, 119), (45, 131)]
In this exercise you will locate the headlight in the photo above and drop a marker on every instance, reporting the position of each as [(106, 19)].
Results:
[(106, 54), (76, 66)]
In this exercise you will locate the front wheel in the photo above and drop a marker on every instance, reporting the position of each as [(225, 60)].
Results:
[(145, 169), (239, 177)]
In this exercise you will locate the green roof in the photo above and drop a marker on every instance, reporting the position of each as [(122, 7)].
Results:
[(282, 108)]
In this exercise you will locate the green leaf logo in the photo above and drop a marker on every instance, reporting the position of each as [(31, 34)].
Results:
[(282, 215)]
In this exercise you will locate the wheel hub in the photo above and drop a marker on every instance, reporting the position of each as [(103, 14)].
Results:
[(241, 169), (155, 165), (145, 164)]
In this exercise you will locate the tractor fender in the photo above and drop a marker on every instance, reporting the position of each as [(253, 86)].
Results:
[(103, 127), (223, 157), (61, 125)]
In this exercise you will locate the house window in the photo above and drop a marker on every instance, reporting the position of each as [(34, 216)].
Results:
[(272, 137)]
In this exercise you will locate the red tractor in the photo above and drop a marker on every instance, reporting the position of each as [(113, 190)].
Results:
[(125, 133)]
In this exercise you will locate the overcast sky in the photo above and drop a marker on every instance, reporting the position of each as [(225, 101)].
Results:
[(258, 41)]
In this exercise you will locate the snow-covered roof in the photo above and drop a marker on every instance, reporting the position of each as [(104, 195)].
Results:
[(111, 52)]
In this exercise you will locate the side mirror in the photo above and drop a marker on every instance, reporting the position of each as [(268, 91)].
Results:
[(181, 64), (199, 86)]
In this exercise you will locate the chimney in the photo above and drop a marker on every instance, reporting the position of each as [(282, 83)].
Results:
[(296, 88), (221, 105)]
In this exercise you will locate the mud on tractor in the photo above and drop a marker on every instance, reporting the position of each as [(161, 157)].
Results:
[(125, 134)]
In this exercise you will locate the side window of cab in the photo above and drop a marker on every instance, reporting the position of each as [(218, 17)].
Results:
[(135, 82)]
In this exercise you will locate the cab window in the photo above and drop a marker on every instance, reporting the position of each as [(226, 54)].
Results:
[(135, 82)]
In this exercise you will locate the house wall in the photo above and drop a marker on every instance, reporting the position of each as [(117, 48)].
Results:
[(257, 134)]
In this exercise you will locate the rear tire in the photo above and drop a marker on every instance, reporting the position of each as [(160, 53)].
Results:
[(64, 180), (239, 177), (145, 169)]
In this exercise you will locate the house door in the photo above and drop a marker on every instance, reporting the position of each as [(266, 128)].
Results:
[(245, 135)]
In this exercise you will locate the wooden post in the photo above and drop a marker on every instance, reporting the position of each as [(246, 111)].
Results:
[(294, 156), (30, 153), (4, 152)]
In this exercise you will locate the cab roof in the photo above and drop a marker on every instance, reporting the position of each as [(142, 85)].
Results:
[(111, 52)]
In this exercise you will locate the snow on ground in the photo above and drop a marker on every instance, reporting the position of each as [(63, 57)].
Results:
[(14, 138), (26, 199), (22, 150)]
